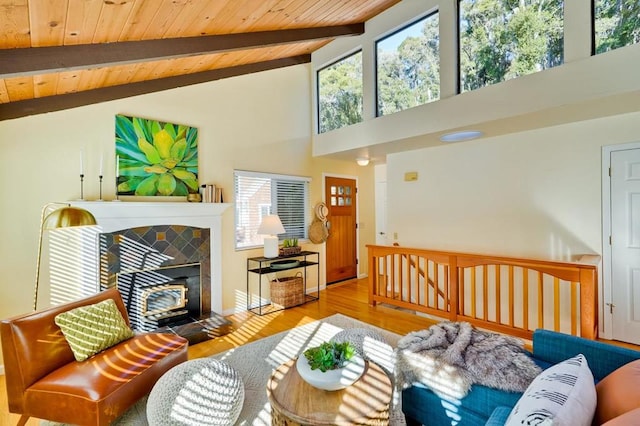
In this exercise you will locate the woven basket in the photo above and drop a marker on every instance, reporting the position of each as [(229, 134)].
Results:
[(287, 291), (288, 251)]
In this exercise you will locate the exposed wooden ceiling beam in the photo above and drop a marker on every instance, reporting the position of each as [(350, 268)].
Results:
[(45, 60), (72, 100)]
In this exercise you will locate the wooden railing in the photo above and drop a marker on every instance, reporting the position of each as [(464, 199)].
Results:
[(504, 294)]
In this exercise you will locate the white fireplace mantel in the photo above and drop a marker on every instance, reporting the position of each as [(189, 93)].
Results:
[(117, 215)]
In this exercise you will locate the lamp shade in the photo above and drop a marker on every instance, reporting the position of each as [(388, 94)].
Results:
[(271, 225), (68, 217)]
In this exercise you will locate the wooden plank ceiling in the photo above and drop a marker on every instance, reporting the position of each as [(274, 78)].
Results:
[(57, 54)]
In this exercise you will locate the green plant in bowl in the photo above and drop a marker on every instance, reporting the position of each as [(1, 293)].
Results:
[(329, 355), (290, 242)]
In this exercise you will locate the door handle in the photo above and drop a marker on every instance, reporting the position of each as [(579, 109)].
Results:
[(382, 233)]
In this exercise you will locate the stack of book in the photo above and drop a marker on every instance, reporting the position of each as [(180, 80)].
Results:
[(211, 193)]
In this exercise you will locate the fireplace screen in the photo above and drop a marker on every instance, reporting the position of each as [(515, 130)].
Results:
[(163, 297)]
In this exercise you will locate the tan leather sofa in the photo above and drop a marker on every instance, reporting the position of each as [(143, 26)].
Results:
[(45, 381)]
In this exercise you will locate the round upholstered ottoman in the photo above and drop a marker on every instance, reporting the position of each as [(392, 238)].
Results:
[(198, 392)]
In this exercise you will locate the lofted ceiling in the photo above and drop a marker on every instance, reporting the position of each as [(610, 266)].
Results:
[(57, 54)]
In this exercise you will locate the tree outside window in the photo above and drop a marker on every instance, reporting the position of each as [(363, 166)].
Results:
[(616, 23), (408, 66), (504, 39), (340, 94)]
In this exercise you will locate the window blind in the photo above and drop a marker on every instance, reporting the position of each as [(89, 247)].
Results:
[(258, 194)]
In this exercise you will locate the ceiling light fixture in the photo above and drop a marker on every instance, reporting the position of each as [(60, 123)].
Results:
[(464, 135), (362, 161)]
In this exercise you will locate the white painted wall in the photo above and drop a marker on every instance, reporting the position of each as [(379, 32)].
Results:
[(532, 194), (535, 193), (255, 122), (532, 186)]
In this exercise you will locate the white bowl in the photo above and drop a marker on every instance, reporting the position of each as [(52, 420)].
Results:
[(331, 379)]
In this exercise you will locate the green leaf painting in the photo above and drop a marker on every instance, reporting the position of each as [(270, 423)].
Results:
[(155, 158)]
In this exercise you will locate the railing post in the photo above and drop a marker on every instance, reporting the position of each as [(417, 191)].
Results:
[(583, 273), (588, 303), (453, 288), (373, 276)]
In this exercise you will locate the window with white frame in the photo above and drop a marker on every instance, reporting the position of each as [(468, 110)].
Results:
[(501, 39), (340, 93), (616, 24), (408, 66), (259, 194)]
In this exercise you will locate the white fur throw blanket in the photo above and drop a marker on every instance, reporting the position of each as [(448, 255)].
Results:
[(449, 357)]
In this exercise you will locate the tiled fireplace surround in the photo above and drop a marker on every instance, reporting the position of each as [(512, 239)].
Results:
[(177, 233), (141, 262)]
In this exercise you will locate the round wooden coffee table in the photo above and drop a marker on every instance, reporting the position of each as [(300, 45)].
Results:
[(295, 402)]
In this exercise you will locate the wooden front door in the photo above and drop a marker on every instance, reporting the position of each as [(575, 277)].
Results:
[(340, 196)]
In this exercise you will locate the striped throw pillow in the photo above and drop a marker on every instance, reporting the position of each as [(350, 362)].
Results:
[(562, 395), (93, 328)]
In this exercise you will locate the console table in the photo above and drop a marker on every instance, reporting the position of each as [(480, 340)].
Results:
[(295, 402), (259, 267)]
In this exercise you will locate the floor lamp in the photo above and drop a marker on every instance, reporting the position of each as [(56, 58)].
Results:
[(63, 217)]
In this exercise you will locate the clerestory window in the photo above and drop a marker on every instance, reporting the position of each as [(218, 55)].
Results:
[(408, 66), (340, 93), (616, 24), (504, 39)]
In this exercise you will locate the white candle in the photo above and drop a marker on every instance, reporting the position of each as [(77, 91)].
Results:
[(101, 161), (81, 162), (117, 166)]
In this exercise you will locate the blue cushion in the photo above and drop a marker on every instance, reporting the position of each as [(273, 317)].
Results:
[(603, 358), (424, 406), (499, 416), (549, 348), (542, 364)]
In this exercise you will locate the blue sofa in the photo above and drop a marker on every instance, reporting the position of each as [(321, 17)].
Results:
[(488, 406)]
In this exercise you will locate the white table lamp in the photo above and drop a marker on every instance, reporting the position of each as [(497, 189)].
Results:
[(270, 228)]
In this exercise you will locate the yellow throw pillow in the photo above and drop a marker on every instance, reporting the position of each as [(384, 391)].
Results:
[(93, 328)]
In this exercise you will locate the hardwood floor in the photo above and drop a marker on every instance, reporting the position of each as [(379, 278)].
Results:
[(349, 298)]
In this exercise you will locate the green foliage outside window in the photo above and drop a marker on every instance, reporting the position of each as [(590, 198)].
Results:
[(499, 40), (408, 67), (504, 39), (617, 24), (340, 94)]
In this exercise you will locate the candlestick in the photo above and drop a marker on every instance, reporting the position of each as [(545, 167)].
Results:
[(100, 199), (117, 175), (82, 186)]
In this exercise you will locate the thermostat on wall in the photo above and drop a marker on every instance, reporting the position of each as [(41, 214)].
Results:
[(410, 176)]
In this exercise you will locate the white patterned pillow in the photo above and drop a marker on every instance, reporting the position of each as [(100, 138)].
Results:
[(563, 394)]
